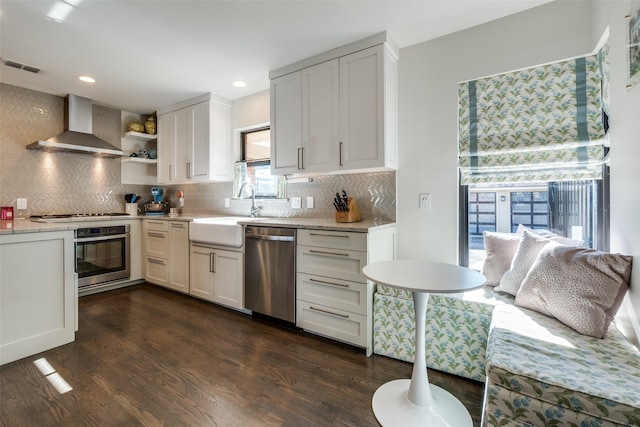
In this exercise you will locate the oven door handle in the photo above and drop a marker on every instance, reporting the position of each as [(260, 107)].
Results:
[(100, 238)]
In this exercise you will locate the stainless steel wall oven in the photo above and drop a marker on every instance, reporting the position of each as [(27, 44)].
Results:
[(102, 254)]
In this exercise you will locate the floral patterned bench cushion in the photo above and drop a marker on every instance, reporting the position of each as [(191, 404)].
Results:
[(477, 301), (532, 356), (457, 327)]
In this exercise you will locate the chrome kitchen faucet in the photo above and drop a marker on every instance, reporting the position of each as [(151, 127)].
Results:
[(254, 208)]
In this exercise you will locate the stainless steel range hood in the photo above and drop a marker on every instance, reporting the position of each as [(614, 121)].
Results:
[(77, 136)]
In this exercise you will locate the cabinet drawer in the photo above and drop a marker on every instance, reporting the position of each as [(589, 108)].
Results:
[(157, 271), (157, 243), (332, 323), (156, 225), (338, 263), (333, 239), (340, 294)]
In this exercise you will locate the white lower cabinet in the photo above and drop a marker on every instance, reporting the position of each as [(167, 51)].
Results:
[(38, 293), (216, 275), (166, 253), (333, 307), (333, 297)]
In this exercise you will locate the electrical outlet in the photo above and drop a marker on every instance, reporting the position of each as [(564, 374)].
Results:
[(21, 204), (309, 202), (425, 201), (296, 202), (227, 202)]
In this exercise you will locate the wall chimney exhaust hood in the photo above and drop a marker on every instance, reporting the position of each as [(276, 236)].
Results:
[(77, 136)]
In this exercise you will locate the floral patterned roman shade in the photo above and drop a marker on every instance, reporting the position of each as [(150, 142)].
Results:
[(539, 124)]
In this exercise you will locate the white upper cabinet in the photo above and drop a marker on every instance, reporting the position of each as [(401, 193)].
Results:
[(338, 114), (194, 141), (286, 124), (320, 117)]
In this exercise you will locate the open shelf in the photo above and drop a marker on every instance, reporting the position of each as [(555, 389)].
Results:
[(140, 136), (139, 160)]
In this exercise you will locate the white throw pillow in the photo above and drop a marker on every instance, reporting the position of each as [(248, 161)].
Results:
[(582, 288), (500, 249), (550, 235), (528, 249)]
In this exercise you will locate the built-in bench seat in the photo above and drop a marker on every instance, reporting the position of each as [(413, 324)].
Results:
[(540, 372), (564, 364), (456, 333)]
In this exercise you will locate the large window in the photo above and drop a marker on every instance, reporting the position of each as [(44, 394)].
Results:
[(532, 148)]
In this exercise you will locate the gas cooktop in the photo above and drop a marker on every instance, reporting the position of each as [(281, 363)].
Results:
[(74, 217)]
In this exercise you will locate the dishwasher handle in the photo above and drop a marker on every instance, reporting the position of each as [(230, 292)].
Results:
[(276, 238)]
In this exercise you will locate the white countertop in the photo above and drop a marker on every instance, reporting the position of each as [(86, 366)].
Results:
[(22, 225), (310, 223), (26, 226)]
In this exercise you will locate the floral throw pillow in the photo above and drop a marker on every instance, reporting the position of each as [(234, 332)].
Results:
[(582, 288)]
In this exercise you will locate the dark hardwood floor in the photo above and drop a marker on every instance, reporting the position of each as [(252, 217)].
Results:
[(148, 356)]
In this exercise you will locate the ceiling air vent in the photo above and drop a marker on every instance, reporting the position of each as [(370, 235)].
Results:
[(20, 66)]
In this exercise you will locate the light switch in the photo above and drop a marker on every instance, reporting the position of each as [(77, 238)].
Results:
[(21, 204), (227, 202), (296, 202), (309, 202), (425, 201)]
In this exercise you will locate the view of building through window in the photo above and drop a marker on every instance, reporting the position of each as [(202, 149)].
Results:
[(569, 209)]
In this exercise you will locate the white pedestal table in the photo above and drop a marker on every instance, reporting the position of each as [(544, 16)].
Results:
[(415, 402)]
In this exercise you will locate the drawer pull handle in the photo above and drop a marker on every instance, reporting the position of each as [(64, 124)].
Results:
[(329, 283), (155, 261), (346, 316), (313, 251), (344, 236), (156, 235), (176, 225)]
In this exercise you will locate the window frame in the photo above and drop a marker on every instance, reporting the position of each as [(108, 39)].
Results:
[(602, 206), (255, 163)]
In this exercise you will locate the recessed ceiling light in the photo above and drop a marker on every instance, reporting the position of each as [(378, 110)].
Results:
[(239, 83), (87, 79)]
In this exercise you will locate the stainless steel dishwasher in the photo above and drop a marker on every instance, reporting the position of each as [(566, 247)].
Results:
[(270, 271)]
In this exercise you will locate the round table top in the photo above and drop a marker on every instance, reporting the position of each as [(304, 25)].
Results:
[(424, 276)]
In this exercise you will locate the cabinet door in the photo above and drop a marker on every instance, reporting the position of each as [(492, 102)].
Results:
[(156, 244), (362, 109), (180, 148), (327, 262), (179, 256), (320, 117), (198, 142), (219, 160), (166, 142), (228, 268), (328, 321), (156, 271), (202, 277), (286, 124)]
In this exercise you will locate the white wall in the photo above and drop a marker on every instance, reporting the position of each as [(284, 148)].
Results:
[(249, 111), (625, 153), (428, 76)]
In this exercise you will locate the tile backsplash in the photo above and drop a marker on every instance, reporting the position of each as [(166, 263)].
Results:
[(69, 182), (55, 182), (375, 194)]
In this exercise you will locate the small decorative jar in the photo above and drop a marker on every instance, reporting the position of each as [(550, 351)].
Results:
[(150, 125), (136, 127)]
